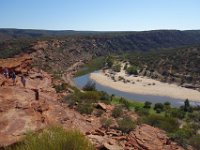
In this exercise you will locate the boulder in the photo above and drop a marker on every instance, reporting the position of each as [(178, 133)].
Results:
[(104, 106)]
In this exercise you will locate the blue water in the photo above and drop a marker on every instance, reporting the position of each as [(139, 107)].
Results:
[(82, 80)]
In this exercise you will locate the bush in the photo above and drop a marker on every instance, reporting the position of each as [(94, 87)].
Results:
[(55, 138), (147, 105), (90, 96), (181, 137), (167, 106), (142, 111), (105, 98), (116, 67), (85, 108), (132, 70), (125, 103), (177, 113), (194, 116), (166, 123), (90, 86), (158, 107), (195, 142), (117, 112), (126, 125), (109, 61), (106, 122)]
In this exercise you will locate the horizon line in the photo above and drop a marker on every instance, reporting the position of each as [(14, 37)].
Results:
[(98, 30)]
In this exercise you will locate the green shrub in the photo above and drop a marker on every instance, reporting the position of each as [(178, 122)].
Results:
[(142, 111), (167, 106), (109, 61), (93, 65), (194, 116), (147, 104), (166, 123), (132, 70), (117, 112), (177, 113), (158, 107), (116, 67), (181, 136), (106, 122), (105, 98), (126, 125), (90, 96), (85, 108), (125, 103), (55, 138), (195, 142)]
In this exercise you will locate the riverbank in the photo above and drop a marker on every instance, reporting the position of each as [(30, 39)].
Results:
[(143, 85)]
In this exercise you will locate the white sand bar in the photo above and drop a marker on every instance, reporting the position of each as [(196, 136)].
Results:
[(144, 85)]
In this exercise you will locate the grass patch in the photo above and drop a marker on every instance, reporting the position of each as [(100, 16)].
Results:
[(55, 138), (131, 104)]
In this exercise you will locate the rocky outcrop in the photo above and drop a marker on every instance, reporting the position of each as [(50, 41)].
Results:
[(19, 64), (21, 111), (104, 106), (146, 137)]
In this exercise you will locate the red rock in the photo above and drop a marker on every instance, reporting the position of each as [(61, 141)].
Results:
[(150, 138)]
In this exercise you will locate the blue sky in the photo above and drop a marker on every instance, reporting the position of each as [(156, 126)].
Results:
[(100, 15)]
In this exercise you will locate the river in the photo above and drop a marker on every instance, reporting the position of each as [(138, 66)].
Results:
[(82, 80)]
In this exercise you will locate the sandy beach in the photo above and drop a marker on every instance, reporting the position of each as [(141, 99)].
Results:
[(144, 85)]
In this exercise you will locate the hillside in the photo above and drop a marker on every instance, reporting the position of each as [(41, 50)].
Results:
[(179, 65), (14, 41)]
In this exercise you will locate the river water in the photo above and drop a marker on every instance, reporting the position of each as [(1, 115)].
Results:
[(82, 80)]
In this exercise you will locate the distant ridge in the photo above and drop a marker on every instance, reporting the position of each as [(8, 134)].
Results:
[(11, 33), (15, 41)]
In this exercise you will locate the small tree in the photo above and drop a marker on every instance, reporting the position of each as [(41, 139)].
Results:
[(132, 70), (187, 107), (147, 105), (158, 107), (109, 62)]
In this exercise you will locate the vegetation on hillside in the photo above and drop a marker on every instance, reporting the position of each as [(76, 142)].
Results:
[(54, 138), (181, 124), (91, 66), (173, 65)]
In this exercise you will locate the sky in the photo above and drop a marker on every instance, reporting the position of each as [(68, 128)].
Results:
[(100, 15)]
